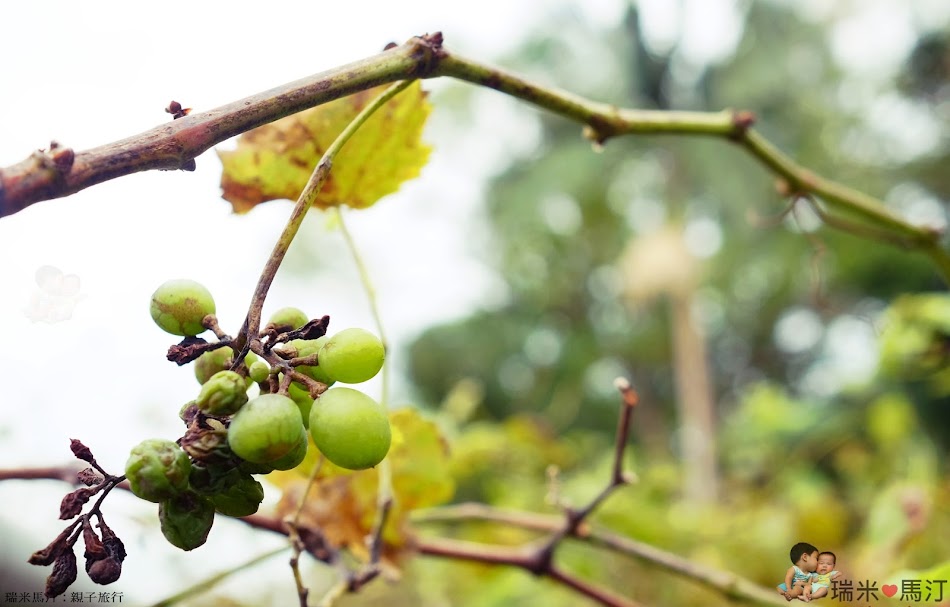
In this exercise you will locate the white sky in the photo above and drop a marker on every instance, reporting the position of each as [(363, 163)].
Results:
[(86, 74)]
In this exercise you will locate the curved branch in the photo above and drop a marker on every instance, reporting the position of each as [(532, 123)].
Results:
[(60, 172)]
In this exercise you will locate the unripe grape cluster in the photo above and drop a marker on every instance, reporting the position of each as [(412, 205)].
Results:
[(231, 434)]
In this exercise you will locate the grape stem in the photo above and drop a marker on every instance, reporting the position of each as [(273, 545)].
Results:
[(252, 323), (294, 534)]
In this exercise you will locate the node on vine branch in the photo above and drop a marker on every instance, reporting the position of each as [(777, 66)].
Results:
[(62, 157), (742, 121), (174, 108)]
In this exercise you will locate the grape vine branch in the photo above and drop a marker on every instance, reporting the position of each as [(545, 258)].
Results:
[(59, 171)]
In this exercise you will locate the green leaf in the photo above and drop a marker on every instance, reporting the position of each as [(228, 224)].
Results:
[(275, 161)]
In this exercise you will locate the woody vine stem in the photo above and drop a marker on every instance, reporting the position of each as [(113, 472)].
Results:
[(59, 171)]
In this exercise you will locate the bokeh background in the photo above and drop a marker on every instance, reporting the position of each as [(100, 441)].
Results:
[(793, 378)]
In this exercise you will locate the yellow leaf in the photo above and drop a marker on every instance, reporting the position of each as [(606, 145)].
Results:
[(275, 161)]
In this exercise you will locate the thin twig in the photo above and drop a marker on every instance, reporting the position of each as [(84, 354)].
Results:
[(376, 542), (296, 543), (572, 517), (538, 558)]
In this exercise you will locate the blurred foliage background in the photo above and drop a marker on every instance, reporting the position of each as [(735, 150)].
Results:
[(793, 378)]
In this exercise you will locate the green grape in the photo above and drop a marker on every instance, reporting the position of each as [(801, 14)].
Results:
[(350, 429), (232, 491), (219, 359), (301, 396), (186, 519), (179, 306), (352, 356), (258, 371), (265, 429), (223, 394), (290, 317), (157, 469), (306, 347), (295, 456)]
